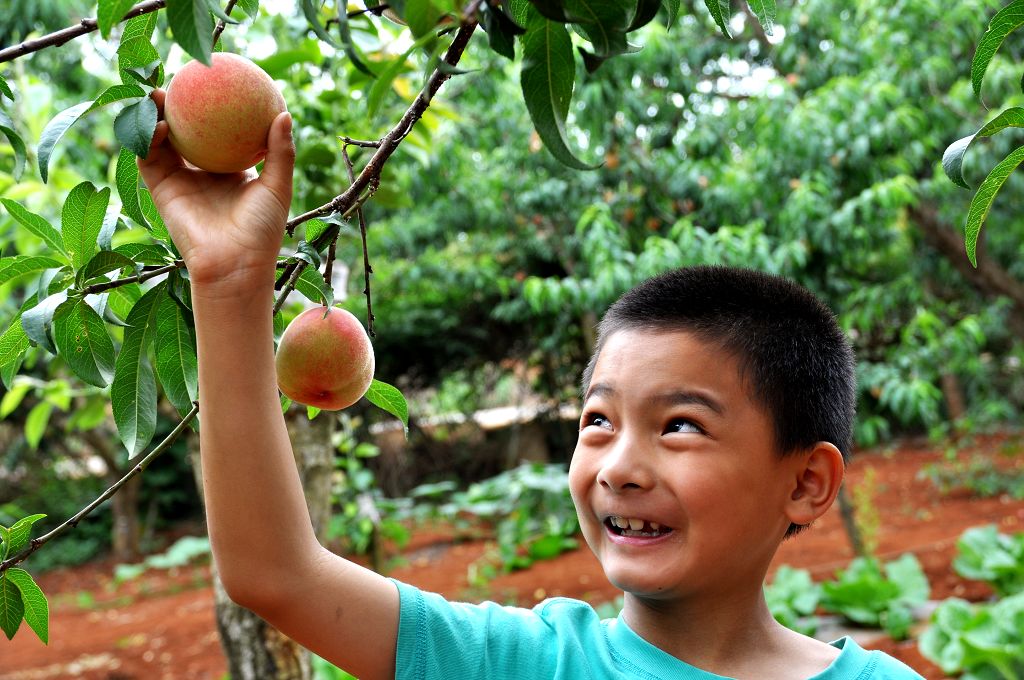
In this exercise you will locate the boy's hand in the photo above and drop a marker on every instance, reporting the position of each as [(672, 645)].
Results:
[(227, 227)]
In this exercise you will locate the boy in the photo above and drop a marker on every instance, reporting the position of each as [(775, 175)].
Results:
[(679, 479)]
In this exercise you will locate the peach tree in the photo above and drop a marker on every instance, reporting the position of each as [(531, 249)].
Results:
[(97, 289)]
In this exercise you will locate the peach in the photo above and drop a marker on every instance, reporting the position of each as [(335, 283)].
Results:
[(325, 361), (218, 116)]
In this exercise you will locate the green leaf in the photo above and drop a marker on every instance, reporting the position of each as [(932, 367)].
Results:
[(982, 201), (104, 262), (81, 221), (384, 79), (547, 79), (345, 33), (126, 176), (38, 320), (19, 533), (250, 7), (720, 11), (764, 10), (176, 364), (135, 124), (56, 128), (82, 340), (151, 74), (501, 30), (391, 399), (312, 285), (145, 253), (646, 10), (110, 13), (603, 22), (5, 89), (16, 142), (13, 398), (11, 608), (13, 341), (133, 392), (218, 11), (1003, 23), (311, 10), (672, 6), (20, 265), (37, 611), (35, 423), (953, 158), (422, 16), (157, 227), (192, 27), (36, 224)]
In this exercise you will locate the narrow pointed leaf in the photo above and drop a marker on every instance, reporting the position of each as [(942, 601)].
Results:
[(391, 399), (82, 340), (12, 611), (192, 27), (133, 392), (14, 341), (145, 253), (501, 30), (764, 10), (110, 13), (1004, 22), (646, 10), (547, 79), (36, 610), (20, 532), (82, 220), (603, 22), (104, 262), (126, 176), (35, 423), (16, 142), (385, 78), (982, 201), (250, 7), (953, 158), (38, 321), (5, 89), (214, 7), (20, 265), (56, 128), (176, 364), (312, 285), (672, 7), (311, 10), (345, 34), (720, 10), (135, 124), (37, 225)]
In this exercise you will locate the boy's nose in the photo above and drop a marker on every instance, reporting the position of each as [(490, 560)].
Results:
[(623, 468)]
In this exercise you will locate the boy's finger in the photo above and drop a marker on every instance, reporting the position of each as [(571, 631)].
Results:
[(159, 96), (280, 161)]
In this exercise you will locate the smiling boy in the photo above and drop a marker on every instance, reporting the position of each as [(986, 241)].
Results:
[(716, 410)]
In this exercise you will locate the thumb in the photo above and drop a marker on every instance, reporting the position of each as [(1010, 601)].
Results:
[(280, 162)]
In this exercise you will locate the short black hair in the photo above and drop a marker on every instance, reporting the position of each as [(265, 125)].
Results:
[(794, 357)]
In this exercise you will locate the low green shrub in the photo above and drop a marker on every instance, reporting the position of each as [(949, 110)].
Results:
[(983, 642), (869, 594)]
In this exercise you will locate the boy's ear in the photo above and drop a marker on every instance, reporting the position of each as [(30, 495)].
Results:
[(816, 485)]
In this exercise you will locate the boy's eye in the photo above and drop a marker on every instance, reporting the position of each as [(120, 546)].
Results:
[(681, 425), (597, 420)]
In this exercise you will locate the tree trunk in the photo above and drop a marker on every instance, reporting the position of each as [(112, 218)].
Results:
[(846, 511), (124, 508), (255, 650)]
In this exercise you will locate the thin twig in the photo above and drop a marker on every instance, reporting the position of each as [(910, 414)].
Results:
[(138, 278), (389, 143), (300, 266), (361, 143), (367, 269), (73, 521), (71, 32), (221, 23)]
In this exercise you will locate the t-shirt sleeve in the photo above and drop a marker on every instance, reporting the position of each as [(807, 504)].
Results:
[(444, 640)]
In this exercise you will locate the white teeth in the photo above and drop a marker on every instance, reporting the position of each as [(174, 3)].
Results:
[(636, 524), (655, 526), (632, 523)]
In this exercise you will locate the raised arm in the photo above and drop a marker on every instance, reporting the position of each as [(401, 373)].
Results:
[(229, 230)]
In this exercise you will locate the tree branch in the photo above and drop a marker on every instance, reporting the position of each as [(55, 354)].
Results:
[(72, 522), (71, 32), (389, 143)]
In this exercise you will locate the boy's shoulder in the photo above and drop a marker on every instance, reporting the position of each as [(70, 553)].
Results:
[(857, 663)]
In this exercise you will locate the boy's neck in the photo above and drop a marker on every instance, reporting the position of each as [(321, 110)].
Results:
[(735, 637)]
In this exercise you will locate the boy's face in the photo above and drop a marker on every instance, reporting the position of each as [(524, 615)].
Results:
[(675, 476)]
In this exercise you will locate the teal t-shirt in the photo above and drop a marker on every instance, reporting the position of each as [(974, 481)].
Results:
[(561, 638)]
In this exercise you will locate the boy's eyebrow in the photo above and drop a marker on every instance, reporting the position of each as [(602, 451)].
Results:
[(673, 398)]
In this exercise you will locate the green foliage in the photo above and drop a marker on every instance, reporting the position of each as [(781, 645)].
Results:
[(979, 476), (793, 598), (981, 642), (20, 597), (528, 509), (182, 552), (872, 595), (985, 554)]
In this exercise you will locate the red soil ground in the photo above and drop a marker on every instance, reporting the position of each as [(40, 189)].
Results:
[(162, 624)]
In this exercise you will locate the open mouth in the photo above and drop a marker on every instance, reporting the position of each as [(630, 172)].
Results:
[(634, 527)]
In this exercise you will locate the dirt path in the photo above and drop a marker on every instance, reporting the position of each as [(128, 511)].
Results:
[(162, 625)]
